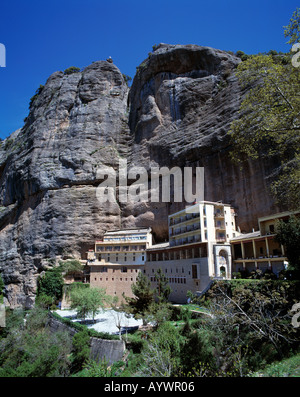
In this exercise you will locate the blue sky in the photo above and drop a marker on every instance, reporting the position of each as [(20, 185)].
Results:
[(42, 37)]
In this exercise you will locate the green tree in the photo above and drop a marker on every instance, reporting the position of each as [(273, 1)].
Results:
[(269, 124), (163, 288), (288, 234), (143, 297), (51, 284), (292, 30), (161, 355), (88, 301)]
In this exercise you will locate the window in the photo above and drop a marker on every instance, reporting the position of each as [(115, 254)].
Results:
[(124, 269), (194, 271)]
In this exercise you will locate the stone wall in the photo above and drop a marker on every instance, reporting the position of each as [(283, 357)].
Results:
[(110, 350)]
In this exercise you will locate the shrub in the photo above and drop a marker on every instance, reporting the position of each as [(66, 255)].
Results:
[(81, 349), (34, 97), (71, 70)]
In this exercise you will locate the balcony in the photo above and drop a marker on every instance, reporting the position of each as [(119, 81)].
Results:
[(185, 241), (219, 214), (182, 219), (220, 225), (185, 229)]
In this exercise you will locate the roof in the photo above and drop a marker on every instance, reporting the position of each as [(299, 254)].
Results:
[(159, 246), (128, 231), (277, 216), (190, 206), (246, 236)]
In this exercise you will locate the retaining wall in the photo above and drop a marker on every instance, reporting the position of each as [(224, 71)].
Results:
[(110, 350)]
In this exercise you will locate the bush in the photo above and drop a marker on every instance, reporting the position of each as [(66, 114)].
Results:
[(31, 350), (71, 70), (81, 349), (34, 97)]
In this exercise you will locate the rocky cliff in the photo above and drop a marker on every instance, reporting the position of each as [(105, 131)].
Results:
[(176, 113)]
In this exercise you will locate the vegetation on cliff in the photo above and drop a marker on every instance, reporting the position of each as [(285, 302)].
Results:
[(269, 124)]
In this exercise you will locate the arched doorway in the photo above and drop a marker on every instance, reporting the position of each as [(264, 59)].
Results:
[(222, 262)]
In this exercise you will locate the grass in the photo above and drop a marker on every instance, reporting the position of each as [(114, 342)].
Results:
[(289, 367)]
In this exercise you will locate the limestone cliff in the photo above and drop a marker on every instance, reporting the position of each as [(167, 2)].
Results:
[(177, 113)]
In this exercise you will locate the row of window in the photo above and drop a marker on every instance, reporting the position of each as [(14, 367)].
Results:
[(120, 248), (197, 252), (124, 269), (177, 270), (127, 238), (113, 279), (116, 258), (172, 280)]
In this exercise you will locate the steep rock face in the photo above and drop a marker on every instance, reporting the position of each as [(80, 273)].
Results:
[(183, 100), (177, 113), (48, 174)]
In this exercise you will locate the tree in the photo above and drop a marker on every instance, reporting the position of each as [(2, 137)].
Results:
[(256, 314), (161, 355), (88, 301), (269, 122), (51, 284), (163, 288), (292, 30), (288, 234), (144, 297)]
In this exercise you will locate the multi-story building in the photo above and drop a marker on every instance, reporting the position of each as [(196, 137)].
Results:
[(203, 245), (259, 249), (117, 260), (198, 248)]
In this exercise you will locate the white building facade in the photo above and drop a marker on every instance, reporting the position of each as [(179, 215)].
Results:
[(198, 249)]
